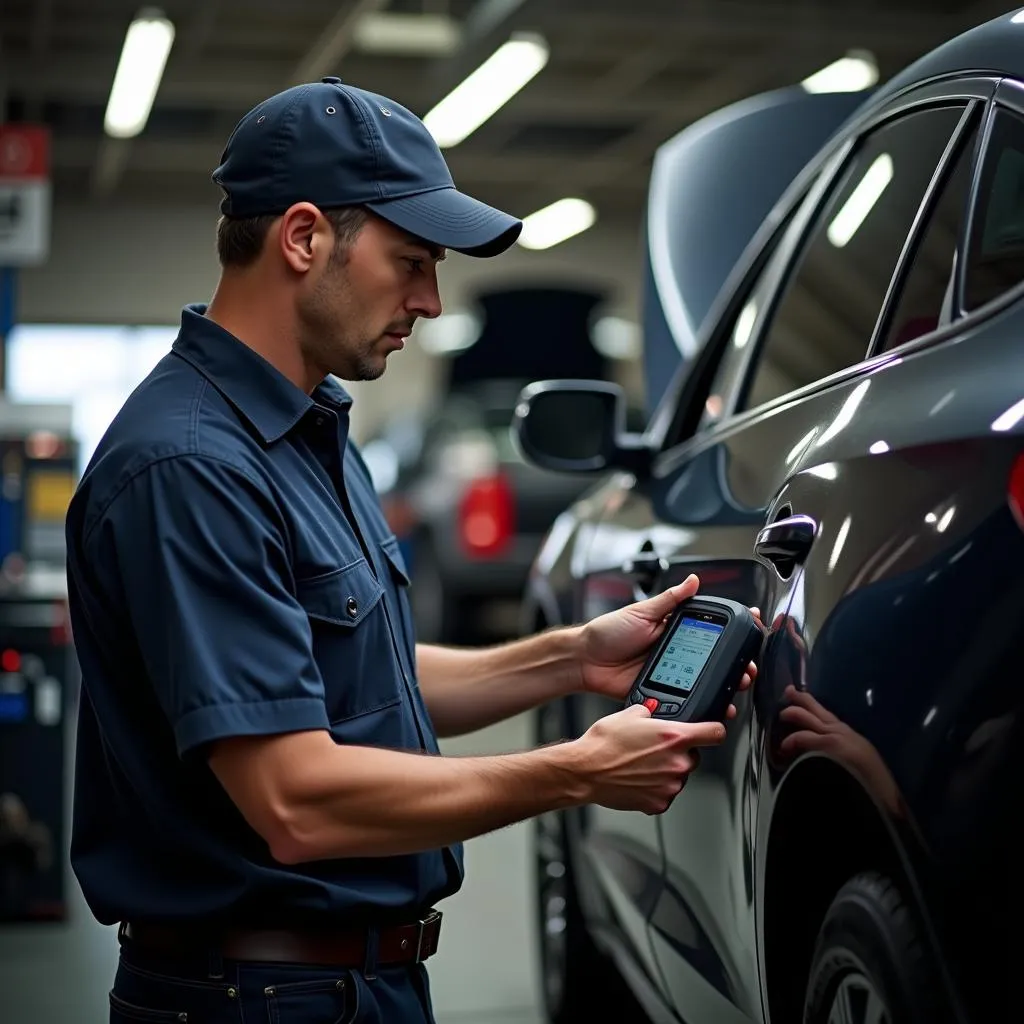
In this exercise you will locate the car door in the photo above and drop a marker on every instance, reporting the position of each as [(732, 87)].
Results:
[(810, 314), (911, 594), (623, 850)]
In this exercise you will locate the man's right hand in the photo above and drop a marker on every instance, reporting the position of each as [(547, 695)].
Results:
[(631, 762)]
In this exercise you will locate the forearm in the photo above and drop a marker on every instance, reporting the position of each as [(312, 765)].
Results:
[(468, 689), (369, 802)]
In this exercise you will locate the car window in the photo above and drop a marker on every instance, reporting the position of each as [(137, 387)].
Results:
[(730, 367), (827, 313), (726, 375), (926, 295), (995, 254)]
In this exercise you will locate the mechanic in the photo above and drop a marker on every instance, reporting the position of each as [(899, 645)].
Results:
[(259, 804)]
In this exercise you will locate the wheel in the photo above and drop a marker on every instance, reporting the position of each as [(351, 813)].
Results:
[(578, 982), (871, 964)]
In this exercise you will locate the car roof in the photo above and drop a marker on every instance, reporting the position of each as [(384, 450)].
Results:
[(994, 47), (705, 206)]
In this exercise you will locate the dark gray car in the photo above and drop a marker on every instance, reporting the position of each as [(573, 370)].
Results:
[(843, 448)]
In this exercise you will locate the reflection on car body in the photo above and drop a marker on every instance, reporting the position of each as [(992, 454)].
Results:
[(842, 449)]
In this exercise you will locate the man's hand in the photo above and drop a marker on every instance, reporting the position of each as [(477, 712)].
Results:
[(631, 762), (614, 646)]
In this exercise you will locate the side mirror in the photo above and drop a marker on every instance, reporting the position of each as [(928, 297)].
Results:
[(577, 426)]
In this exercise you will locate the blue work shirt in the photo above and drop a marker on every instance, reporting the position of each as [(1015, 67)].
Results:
[(231, 574)]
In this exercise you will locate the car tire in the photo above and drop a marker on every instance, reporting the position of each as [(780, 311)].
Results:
[(871, 964), (578, 983)]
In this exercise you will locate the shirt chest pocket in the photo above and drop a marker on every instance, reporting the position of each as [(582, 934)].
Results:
[(352, 641)]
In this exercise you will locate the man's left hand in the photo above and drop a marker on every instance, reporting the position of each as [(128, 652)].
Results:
[(614, 646)]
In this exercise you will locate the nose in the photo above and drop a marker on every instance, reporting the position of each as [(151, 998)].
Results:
[(426, 300)]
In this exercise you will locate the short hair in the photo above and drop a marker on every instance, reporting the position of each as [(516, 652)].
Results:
[(240, 239)]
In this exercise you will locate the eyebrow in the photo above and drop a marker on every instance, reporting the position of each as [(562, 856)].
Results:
[(436, 252)]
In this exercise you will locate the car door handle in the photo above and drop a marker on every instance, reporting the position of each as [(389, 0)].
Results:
[(786, 541)]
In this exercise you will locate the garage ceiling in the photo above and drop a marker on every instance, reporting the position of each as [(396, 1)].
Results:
[(622, 77)]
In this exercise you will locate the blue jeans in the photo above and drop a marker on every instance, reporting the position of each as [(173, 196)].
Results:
[(206, 990)]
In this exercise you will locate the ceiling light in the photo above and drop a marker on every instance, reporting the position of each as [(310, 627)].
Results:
[(852, 73), (421, 35), (139, 70), (556, 223), (487, 89)]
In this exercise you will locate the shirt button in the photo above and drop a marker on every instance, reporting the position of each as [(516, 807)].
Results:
[(352, 607)]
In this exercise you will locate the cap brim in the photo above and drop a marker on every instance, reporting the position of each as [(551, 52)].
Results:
[(448, 218)]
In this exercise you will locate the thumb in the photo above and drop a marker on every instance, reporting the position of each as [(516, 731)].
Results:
[(664, 604), (637, 711), (703, 734)]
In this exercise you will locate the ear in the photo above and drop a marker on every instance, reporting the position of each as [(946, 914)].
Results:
[(302, 234)]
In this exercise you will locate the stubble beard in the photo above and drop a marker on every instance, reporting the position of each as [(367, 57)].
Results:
[(325, 315), (367, 367)]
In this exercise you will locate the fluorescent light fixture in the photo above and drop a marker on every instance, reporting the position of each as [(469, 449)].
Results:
[(879, 448), (861, 201), (1009, 419), (555, 223), (139, 70), (852, 73), (487, 89), (422, 35)]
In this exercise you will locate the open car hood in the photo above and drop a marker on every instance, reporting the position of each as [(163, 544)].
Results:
[(711, 188)]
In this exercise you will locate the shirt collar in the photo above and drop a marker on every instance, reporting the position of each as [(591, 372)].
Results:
[(260, 392)]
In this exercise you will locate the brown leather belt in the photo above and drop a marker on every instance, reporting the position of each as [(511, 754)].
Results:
[(396, 944)]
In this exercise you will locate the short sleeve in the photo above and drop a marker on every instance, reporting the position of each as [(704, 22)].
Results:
[(202, 562)]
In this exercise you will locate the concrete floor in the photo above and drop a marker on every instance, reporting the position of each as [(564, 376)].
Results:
[(483, 973)]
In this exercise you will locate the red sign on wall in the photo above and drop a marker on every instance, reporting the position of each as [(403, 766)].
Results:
[(24, 194)]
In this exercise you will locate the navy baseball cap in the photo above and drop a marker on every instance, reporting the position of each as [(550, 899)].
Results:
[(333, 145)]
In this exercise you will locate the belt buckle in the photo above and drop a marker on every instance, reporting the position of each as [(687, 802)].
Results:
[(434, 915)]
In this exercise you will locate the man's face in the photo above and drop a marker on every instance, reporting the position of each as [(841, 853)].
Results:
[(361, 305)]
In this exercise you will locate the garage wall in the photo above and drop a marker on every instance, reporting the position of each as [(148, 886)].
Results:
[(138, 264)]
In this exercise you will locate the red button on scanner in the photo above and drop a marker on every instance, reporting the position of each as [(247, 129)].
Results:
[(651, 704)]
